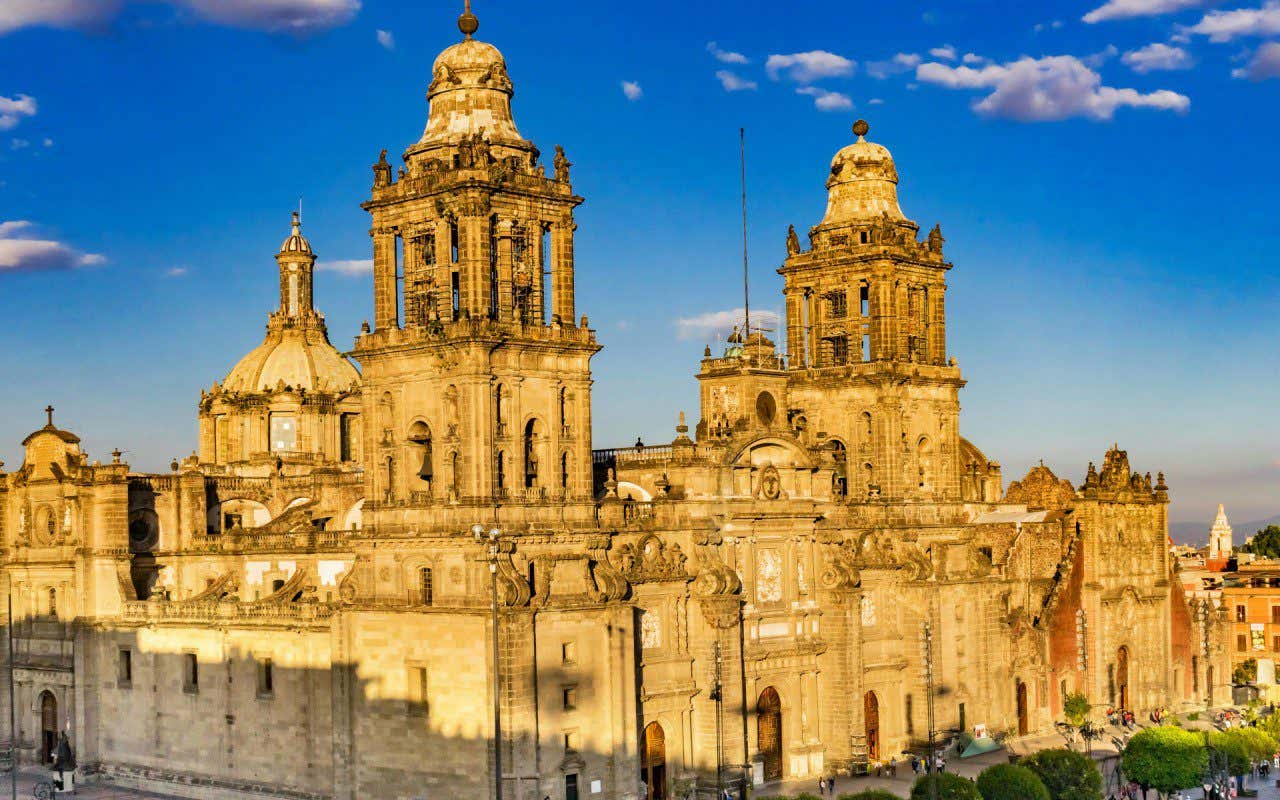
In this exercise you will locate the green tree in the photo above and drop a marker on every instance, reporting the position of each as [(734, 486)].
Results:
[(1011, 782), (1245, 672), (869, 794), (1067, 775), (1265, 542), (1165, 758), (1242, 747), (1076, 708), (950, 787)]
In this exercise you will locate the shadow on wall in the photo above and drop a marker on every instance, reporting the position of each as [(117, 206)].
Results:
[(260, 712)]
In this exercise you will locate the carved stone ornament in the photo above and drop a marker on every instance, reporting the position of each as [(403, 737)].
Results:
[(651, 560), (770, 483)]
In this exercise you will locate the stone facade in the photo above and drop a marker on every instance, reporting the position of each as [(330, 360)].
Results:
[(303, 609)]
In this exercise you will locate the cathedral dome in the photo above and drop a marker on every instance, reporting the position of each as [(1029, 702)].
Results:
[(863, 184), (296, 243), (296, 357), (470, 95)]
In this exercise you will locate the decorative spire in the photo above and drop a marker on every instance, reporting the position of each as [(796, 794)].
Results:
[(49, 411), (467, 23)]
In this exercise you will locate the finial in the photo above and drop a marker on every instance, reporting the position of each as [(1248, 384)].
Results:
[(297, 223), (49, 410), (860, 128), (115, 456), (467, 23)]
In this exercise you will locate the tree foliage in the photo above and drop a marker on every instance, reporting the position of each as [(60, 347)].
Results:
[(1075, 708), (1245, 672), (1265, 542), (1242, 747), (1066, 775), (869, 794), (1011, 782), (1165, 758), (950, 787)]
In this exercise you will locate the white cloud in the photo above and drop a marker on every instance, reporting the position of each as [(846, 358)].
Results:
[(47, 142), (720, 323), (632, 90), (15, 14), (279, 16), (901, 62), (13, 109), (1127, 9), (974, 58), (176, 272), (809, 67), (946, 52), (1048, 88), (875, 101), (19, 144), (1264, 64), (1043, 26), (727, 56), (349, 268), (1223, 26), (21, 250), (825, 100), (732, 82), (387, 39), (1158, 56), (1095, 60)]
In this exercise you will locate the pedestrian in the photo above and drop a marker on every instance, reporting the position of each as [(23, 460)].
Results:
[(822, 786), (915, 765)]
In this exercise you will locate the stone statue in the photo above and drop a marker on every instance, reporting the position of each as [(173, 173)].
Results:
[(793, 241), (562, 165), (935, 239), (382, 171)]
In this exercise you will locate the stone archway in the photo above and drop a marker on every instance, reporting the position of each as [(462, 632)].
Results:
[(769, 732), (653, 762), (48, 726), (871, 713), (1122, 677), (1024, 725)]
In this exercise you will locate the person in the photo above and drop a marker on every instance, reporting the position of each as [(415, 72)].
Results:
[(822, 786)]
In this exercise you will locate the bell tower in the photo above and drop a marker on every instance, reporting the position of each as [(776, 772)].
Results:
[(477, 372), (866, 335)]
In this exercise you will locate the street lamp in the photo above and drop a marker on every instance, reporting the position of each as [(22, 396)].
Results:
[(490, 540)]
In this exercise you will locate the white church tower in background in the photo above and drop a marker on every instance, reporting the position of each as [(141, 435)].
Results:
[(1220, 536)]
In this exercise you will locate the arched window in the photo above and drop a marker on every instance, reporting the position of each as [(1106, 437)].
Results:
[(53, 602), (564, 471), (868, 477), (501, 472), (563, 414), (839, 476), (924, 462), (866, 426), (426, 589), (766, 408), (420, 440), (500, 409), (531, 442)]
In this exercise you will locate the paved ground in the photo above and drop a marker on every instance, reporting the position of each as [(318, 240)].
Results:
[(28, 778)]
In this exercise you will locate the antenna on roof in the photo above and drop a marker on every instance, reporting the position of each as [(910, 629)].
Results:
[(746, 285)]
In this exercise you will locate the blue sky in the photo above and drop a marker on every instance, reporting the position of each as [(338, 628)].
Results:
[(1104, 173)]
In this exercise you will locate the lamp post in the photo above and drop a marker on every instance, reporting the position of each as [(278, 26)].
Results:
[(490, 540), (926, 646)]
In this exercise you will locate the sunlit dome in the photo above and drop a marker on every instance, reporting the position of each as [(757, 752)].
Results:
[(863, 183)]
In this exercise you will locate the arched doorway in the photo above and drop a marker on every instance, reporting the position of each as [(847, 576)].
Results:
[(1023, 726), (769, 732), (653, 761), (1122, 677), (871, 712), (48, 726)]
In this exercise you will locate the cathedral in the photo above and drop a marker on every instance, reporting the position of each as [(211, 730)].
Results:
[(427, 558)]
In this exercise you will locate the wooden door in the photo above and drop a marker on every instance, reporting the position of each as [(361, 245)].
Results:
[(653, 762), (1122, 677), (48, 727), (769, 733), (871, 712), (1023, 726)]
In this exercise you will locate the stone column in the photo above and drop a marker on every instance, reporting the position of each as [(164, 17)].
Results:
[(795, 331), (385, 313), (937, 324), (444, 269), (535, 257), (505, 269), (562, 304)]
